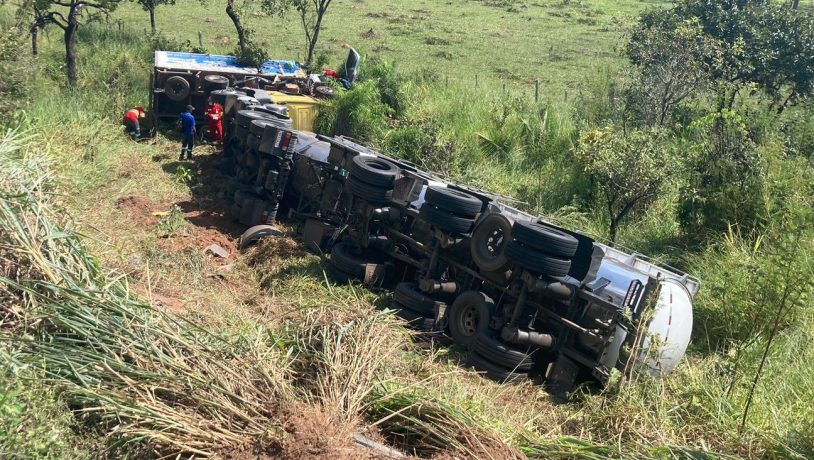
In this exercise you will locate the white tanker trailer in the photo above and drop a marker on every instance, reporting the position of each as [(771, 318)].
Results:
[(525, 298)]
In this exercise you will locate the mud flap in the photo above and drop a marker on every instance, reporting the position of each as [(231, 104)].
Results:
[(374, 274), (562, 376)]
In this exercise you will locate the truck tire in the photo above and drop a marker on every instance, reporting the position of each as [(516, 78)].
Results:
[(414, 320), (369, 192), (355, 266), (457, 202), (537, 261), (488, 243), (255, 234), (445, 220), (408, 295), (176, 88), (499, 353), (469, 316), (545, 238), (374, 171), (336, 275), (495, 372)]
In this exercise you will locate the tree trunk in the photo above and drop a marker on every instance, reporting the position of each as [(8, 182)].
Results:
[(152, 18), (241, 32), (34, 31), (313, 43), (795, 4), (70, 43), (614, 229)]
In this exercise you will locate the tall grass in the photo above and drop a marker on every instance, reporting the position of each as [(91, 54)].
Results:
[(156, 383)]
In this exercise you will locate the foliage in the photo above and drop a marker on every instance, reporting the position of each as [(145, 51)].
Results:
[(760, 42), (358, 113), (12, 91), (150, 7), (725, 178), (394, 88), (50, 12), (670, 66), (311, 14), (32, 422), (630, 170), (252, 53)]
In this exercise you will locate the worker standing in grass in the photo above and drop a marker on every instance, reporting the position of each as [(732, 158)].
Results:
[(214, 115), (131, 122), (188, 132)]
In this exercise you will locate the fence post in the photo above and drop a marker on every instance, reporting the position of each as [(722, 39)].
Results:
[(200, 39), (446, 83), (537, 90), (504, 88), (476, 80)]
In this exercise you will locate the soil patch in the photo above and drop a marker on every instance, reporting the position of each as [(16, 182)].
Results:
[(141, 210)]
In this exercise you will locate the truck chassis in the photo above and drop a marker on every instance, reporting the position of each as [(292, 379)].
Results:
[(527, 299)]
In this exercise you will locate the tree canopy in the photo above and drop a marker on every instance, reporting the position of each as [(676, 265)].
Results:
[(745, 42)]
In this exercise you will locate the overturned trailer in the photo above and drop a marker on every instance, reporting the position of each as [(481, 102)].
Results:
[(181, 79), (526, 298)]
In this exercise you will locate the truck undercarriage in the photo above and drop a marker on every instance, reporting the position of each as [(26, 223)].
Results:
[(526, 298)]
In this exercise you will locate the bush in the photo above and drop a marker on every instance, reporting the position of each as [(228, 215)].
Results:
[(630, 170), (393, 87), (358, 113), (725, 178)]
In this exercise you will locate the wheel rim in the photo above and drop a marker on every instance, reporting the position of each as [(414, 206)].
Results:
[(468, 320), (494, 243)]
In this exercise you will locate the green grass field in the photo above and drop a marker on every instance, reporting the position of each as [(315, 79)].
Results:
[(559, 42)]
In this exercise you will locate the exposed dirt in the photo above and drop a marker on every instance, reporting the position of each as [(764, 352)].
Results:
[(313, 434), (208, 227), (308, 433), (141, 210)]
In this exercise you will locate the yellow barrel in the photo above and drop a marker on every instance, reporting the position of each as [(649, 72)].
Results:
[(303, 110)]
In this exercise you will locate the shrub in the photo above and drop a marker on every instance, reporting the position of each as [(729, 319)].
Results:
[(725, 180), (630, 170), (358, 113)]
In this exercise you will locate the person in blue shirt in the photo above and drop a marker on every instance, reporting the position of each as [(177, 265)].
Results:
[(188, 132)]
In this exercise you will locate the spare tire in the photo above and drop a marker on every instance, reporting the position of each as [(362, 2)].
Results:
[(176, 88), (545, 238), (373, 170), (454, 201), (216, 82)]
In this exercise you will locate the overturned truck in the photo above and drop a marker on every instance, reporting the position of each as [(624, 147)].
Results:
[(526, 298)]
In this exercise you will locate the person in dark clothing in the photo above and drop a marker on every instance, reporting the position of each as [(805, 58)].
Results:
[(188, 132)]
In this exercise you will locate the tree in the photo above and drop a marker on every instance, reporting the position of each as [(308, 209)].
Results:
[(630, 171), (150, 6), (311, 13), (234, 15), (761, 42), (51, 12), (725, 178), (669, 67)]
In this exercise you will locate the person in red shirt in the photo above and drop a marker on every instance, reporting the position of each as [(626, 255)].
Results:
[(214, 120), (131, 122)]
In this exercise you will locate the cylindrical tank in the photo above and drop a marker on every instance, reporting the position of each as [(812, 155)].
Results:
[(668, 329)]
